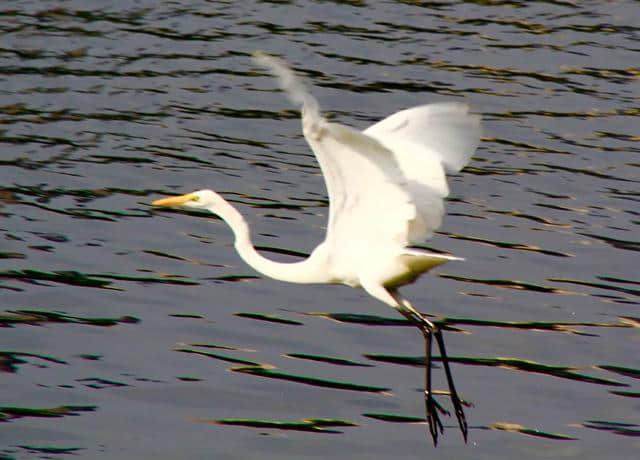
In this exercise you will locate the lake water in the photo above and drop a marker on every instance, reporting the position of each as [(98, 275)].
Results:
[(132, 332)]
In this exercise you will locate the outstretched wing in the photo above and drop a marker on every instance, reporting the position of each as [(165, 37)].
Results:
[(386, 185), (427, 141), (444, 130), (369, 200)]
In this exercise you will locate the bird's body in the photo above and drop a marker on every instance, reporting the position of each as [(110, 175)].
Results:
[(386, 188)]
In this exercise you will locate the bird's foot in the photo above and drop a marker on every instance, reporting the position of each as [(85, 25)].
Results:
[(432, 410), (436, 404), (462, 419)]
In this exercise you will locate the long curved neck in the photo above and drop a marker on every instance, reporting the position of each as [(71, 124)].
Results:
[(310, 270)]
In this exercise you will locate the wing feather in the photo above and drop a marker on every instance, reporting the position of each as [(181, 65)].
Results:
[(369, 202), (445, 130), (386, 185), (428, 141)]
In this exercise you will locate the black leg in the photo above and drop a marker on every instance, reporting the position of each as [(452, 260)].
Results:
[(455, 399), (430, 404), (432, 408)]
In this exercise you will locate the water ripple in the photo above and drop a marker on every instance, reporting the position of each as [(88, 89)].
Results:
[(103, 109)]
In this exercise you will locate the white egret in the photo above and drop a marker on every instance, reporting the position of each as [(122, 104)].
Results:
[(386, 189)]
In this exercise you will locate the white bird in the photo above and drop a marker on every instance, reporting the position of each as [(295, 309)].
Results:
[(386, 189)]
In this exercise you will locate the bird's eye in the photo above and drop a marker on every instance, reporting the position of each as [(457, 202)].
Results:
[(195, 198)]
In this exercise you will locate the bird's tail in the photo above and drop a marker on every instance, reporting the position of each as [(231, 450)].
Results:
[(290, 83)]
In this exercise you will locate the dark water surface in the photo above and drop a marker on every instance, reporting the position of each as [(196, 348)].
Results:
[(131, 332)]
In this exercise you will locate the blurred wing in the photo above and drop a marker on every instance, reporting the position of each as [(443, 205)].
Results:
[(386, 185), (368, 200)]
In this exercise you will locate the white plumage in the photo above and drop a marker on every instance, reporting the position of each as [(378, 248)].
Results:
[(386, 188)]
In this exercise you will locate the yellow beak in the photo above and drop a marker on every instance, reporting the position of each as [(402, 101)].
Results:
[(174, 200)]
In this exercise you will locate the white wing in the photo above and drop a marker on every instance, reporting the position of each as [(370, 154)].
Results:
[(386, 185), (369, 200), (445, 130), (426, 141)]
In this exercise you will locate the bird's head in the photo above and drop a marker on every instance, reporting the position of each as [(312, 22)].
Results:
[(203, 199)]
